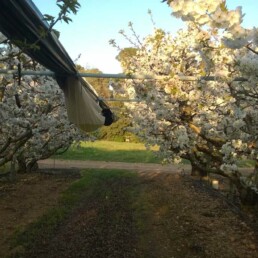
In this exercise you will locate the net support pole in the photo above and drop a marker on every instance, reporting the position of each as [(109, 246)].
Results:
[(121, 76)]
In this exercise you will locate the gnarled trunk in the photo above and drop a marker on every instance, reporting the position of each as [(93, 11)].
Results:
[(26, 167), (21, 164), (32, 166), (248, 195), (197, 171), (12, 175)]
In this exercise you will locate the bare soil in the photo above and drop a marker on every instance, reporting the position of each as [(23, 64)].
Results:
[(174, 215), (25, 200)]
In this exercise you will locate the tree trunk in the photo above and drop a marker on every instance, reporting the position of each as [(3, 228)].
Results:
[(2, 89), (26, 167), (21, 164), (256, 173), (197, 171), (248, 195), (32, 166), (12, 174)]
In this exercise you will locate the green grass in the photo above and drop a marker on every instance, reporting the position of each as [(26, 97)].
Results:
[(45, 227), (5, 168), (246, 163), (107, 189), (120, 152), (110, 151)]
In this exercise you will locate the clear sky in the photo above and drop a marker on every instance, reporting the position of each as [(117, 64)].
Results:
[(98, 21)]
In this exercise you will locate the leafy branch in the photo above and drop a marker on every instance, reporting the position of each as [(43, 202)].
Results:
[(66, 7)]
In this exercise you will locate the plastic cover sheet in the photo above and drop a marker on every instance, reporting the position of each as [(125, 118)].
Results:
[(21, 21), (82, 109)]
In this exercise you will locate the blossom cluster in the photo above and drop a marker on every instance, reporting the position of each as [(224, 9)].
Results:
[(211, 123), (34, 123)]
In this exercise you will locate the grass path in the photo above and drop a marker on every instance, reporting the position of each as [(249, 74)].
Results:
[(111, 151)]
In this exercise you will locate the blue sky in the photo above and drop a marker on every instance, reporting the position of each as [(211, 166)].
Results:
[(98, 21)]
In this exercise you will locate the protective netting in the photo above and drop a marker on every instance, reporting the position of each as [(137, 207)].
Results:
[(22, 23)]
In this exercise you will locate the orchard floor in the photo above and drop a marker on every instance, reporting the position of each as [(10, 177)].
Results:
[(174, 215)]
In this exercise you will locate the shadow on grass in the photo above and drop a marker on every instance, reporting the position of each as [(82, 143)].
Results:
[(116, 213), (96, 209)]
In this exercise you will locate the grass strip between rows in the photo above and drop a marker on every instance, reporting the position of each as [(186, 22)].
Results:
[(112, 191)]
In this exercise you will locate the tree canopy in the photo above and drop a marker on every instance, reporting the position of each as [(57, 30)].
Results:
[(211, 123)]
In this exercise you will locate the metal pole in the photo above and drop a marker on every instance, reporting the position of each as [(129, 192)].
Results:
[(120, 100), (121, 76), (93, 75)]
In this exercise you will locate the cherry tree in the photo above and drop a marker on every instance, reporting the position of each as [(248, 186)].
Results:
[(34, 123), (212, 121), (215, 17)]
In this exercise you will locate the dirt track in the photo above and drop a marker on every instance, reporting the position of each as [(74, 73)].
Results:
[(140, 167)]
